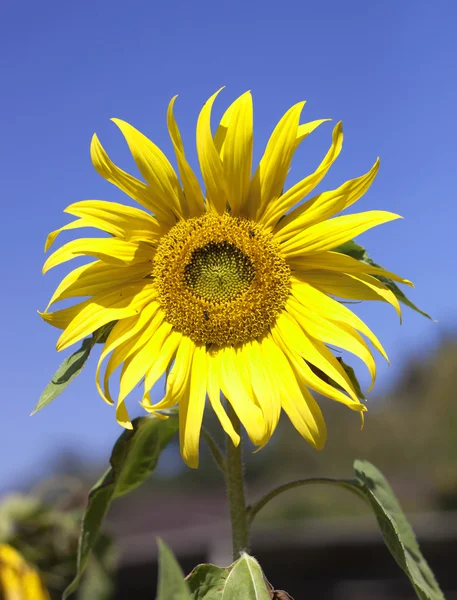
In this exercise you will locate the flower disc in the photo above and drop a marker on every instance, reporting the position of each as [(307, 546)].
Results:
[(221, 280)]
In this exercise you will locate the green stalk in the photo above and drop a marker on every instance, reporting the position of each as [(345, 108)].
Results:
[(235, 490)]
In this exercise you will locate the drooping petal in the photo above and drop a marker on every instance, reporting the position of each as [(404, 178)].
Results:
[(177, 380), (137, 364), (191, 408), (214, 395), (340, 335), (350, 286), (309, 377), (276, 209), (124, 333), (191, 186), (314, 352), (335, 261), (330, 234), (111, 250), (157, 171), (316, 301), (210, 161), (264, 384), (231, 365), (325, 205), (270, 176), (162, 360), (296, 400)]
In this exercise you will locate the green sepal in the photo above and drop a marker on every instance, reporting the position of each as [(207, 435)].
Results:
[(72, 366), (358, 252), (172, 584), (243, 579), (68, 370), (352, 377), (396, 531), (133, 459)]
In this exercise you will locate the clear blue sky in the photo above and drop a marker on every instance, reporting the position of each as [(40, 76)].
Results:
[(387, 69)]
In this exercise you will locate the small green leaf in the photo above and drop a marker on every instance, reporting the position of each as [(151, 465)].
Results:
[(133, 459), (358, 252), (172, 585), (246, 581), (396, 531), (243, 579), (353, 378), (68, 370), (351, 248), (207, 582)]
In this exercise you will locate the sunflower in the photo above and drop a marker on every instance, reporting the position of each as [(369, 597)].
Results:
[(231, 292), (19, 580)]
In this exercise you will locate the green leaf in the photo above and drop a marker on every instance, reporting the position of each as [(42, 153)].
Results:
[(68, 370), (393, 287), (172, 585), (207, 582), (98, 581), (244, 579), (358, 252), (396, 531), (351, 248), (133, 459), (352, 377)]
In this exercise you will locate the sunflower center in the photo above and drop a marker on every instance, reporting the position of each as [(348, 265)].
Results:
[(221, 280), (219, 272)]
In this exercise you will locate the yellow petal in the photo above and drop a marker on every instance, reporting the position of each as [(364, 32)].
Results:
[(270, 176), (210, 161), (62, 318), (134, 188), (97, 277), (309, 378), (324, 206), (316, 301), (177, 380), (126, 222), (163, 359), (138, 363), (191, 409), (214, 395), (275, 210), (104, 308), (336, 334), (192, 190), (122, 353), (237, 152), (305, 129), (123, 332), (351, 286), (313, 351), (156, 169), (261, 371), (332, 233), (300, 406), (111, 250), (334, 261), (234, 389)]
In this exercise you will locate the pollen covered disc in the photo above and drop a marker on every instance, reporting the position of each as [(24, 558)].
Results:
[(221, 280)]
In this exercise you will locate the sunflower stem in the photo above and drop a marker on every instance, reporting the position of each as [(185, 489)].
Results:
[(235, 490)]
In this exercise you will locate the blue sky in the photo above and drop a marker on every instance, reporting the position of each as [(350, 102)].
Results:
[(386, 69)]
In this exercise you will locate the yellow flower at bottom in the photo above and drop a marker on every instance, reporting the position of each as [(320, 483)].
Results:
[(228, 293), (18, 580)]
